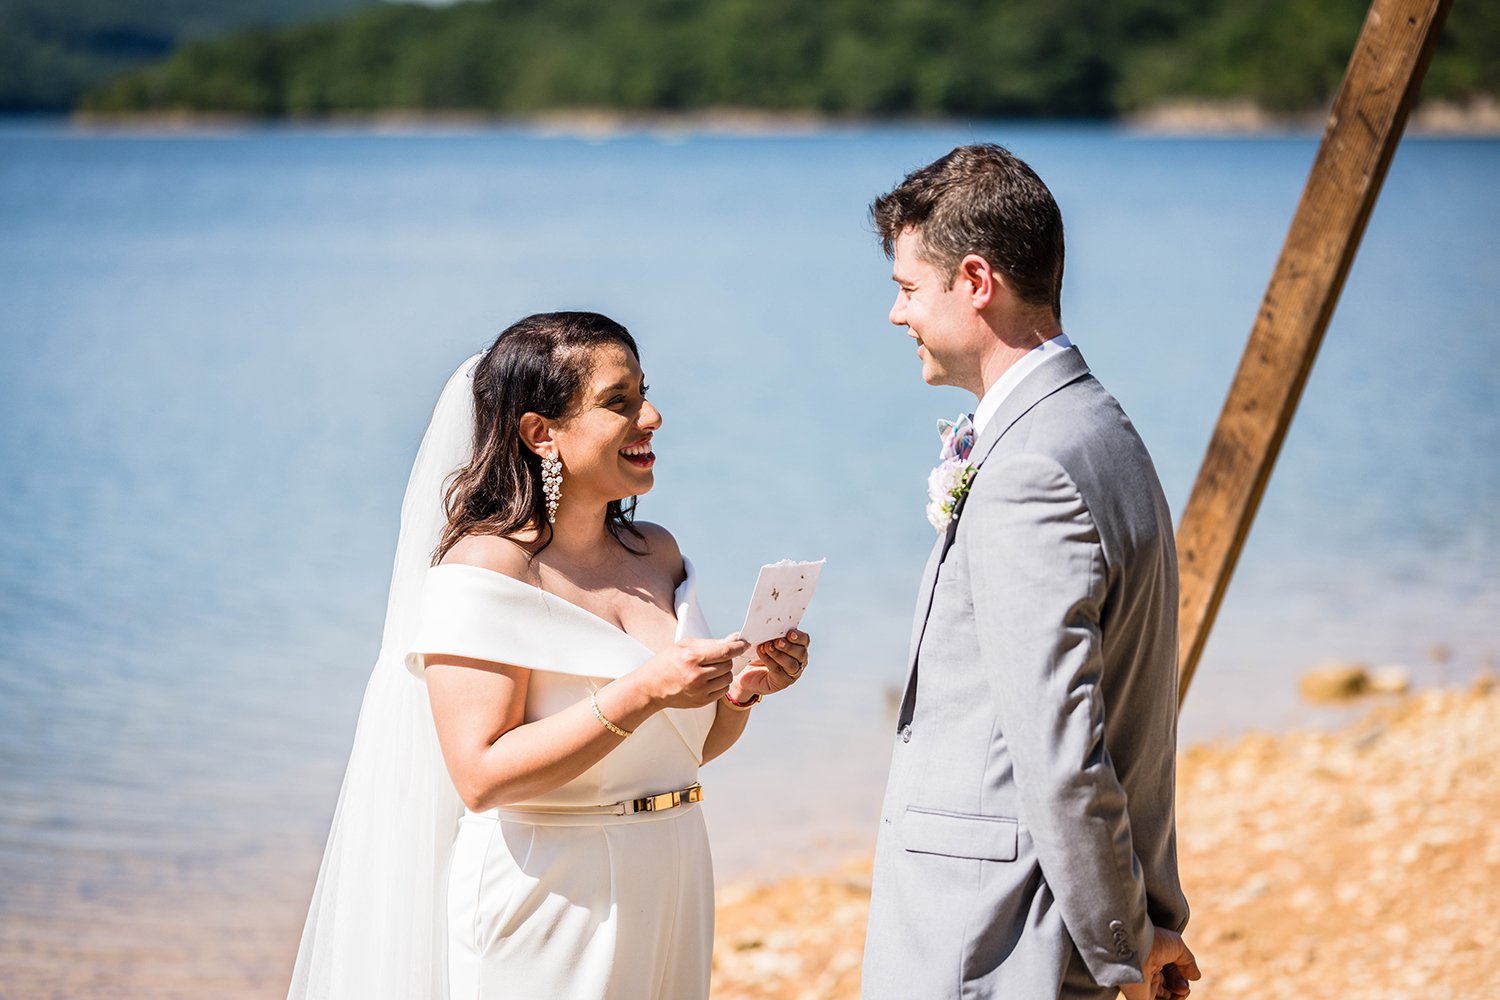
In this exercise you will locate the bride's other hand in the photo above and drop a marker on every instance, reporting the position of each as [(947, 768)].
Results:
[(778, 664), (691, 673)]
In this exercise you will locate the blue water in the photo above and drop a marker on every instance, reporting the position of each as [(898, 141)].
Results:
[(217, 355)]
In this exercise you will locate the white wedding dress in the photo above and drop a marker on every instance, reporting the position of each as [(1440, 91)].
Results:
[(543, 906), (548, 901)]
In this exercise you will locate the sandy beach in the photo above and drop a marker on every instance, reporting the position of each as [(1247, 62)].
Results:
[(1363, 862)]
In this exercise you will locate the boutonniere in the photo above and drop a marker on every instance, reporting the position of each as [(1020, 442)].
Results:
[(949, 482), (947, 485)]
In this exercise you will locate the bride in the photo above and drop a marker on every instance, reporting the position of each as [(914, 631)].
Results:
[(519, 814)]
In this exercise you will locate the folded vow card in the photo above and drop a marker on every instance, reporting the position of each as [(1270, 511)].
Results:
[(779, 600)]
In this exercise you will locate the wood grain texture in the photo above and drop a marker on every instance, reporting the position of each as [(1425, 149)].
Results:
[(1364, 127)]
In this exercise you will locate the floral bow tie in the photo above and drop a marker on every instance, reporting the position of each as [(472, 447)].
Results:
[(949, 482), (958, 437)]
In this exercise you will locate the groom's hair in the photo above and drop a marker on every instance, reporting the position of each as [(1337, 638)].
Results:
[(984, 200)]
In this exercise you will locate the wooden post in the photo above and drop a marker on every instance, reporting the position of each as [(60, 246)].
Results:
[(1363, 130)]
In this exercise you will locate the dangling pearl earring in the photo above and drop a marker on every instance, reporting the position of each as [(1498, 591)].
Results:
[(552, 484)]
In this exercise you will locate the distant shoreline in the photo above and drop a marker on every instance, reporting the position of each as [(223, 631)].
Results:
[(1479, 119)]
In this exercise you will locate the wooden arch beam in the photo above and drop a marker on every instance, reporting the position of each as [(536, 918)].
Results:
[(1369, 114)]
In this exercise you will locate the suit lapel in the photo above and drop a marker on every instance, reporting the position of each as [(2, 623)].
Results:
[(1054, 373)]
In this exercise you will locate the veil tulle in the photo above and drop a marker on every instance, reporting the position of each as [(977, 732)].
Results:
[(376, 928)]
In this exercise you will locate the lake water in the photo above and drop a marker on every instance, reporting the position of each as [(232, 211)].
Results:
[(217, 355)]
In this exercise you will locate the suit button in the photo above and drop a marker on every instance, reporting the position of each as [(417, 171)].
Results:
[(906, 734)]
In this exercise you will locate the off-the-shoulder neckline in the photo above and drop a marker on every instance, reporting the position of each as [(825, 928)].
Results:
[(585, 612)]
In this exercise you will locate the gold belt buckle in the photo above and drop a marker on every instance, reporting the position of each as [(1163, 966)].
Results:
[(668, 800)]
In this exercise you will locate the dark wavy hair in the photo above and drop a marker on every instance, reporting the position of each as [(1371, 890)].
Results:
[(985, 200), (537, 365)]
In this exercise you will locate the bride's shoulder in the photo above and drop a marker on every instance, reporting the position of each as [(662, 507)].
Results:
[(661, 549), (494, 553)]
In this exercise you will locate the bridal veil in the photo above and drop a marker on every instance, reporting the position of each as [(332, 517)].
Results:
[(376, 926)]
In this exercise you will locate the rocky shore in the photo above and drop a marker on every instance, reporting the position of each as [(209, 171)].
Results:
[(1358, 863), (1478, 117)]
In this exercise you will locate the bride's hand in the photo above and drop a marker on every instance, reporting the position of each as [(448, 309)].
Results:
[(692, 673), (778, 664)]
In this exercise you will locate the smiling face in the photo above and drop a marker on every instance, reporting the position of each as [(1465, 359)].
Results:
[(605, 441), (939, 315)]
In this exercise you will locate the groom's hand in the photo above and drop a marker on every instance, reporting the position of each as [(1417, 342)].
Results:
[(1167, 970), (778, 664)]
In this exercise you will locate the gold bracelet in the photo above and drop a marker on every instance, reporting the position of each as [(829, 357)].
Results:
[(594, 701)]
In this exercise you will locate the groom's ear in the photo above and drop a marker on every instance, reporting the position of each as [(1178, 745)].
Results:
[(978, 280), (536, 432)]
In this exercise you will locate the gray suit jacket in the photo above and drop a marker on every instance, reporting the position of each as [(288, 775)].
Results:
[(1028, 829)]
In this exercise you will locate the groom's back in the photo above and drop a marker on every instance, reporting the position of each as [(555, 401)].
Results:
[(1084, 429)]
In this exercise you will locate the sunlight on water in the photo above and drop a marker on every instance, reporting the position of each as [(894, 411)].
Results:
[(217, 355)]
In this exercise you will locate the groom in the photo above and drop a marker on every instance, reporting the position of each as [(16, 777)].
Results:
[(1027, 846)]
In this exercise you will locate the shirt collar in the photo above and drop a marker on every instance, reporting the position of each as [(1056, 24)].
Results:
[(989, 405)]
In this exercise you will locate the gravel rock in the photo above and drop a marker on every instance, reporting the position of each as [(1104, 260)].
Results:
[(1390, 679), (1335, 680), (1361, 863)]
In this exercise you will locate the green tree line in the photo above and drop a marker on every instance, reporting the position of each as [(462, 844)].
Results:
[(51, 51), (1072, 58)]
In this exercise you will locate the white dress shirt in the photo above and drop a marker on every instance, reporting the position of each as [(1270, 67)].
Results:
[(989, 405)]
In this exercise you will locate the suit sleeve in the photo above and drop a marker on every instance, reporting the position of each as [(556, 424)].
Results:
[(1038, 577)]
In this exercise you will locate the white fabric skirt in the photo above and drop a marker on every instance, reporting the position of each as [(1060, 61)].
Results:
[(581, 907)]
